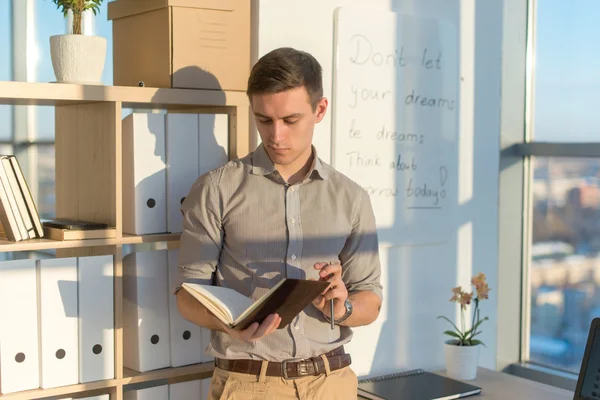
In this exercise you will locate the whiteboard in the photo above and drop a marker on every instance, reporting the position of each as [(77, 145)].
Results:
[(395, 119)]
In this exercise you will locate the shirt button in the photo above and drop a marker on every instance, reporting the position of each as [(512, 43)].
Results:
[(297, 327), (291, 189), (293, 256), (293, 220)]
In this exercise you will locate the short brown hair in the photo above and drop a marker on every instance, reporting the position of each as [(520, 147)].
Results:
[(287, 68)]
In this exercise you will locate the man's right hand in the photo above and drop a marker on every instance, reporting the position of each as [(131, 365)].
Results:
[(256, 331)]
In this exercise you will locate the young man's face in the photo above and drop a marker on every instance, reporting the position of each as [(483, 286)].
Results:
[(286, 122)]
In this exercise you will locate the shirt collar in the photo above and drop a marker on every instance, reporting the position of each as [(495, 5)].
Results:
[(262, 164)]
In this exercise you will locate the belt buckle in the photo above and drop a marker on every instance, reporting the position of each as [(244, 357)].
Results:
[(301, 367), (284, 369)]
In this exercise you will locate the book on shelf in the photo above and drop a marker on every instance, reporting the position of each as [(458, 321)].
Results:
[(415, 384), (287, 298), (73, 229), (31, 207), (18, 213), (79, 234)]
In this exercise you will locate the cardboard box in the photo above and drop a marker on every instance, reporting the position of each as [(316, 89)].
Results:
[(200, 44)]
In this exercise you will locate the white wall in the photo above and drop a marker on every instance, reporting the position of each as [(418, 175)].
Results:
[(417, 280)]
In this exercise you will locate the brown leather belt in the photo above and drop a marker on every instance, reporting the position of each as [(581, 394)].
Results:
[(289, 369)]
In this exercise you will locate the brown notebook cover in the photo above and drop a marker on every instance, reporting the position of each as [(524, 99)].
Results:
[(293, 296), (287, 298)]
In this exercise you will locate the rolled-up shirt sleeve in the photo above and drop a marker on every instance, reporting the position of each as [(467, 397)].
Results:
[(202, 236), (361, 267)]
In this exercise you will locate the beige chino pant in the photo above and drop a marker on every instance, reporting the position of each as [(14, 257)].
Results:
[(334, 385)]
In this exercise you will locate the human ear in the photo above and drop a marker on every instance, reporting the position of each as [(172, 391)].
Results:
[(321, 109)]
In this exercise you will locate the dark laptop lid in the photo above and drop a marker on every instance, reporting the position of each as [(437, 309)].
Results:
[(588, 382), (415, 385)]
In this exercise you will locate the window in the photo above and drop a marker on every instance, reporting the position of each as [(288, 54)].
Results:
[(563, 155), (5, 67), (28, 132)]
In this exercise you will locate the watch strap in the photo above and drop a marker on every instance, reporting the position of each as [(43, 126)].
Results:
[(344, 317)]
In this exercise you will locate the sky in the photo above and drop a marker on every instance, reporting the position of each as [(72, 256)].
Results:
[(567, 66), (567, 71)]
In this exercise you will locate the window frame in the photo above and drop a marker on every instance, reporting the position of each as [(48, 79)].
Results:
[(515, 195)]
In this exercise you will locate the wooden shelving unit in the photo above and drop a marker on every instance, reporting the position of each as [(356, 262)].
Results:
[(89, 155), (171, 375)]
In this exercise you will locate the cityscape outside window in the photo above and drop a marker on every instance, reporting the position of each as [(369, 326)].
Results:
[(565, 234)]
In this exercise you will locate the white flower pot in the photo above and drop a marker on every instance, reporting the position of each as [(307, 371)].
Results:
[(461, 361), (78, 58)]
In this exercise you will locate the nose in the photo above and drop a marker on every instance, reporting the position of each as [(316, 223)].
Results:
[(278, 132)]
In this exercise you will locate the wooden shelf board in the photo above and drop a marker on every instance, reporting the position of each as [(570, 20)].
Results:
[(203, 370), (60, 391), (197, 371), (47, 244), (155, 238), (50, 94)]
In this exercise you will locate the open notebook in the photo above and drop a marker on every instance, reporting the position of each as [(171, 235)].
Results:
[(414, 385), (287, 298)]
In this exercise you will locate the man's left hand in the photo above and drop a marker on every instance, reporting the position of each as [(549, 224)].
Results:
[(331, 273)]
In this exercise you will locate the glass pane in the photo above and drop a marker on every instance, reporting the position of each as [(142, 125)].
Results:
[(52, 22), (5, 149), (567, 71), (6, 122), (5, 40), (5, 67), (46, 201), (565, 259)]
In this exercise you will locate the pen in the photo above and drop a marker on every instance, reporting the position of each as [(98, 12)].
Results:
[(332, 317)]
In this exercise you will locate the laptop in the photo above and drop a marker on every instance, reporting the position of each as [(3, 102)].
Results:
[(415, 385), (588, 382)]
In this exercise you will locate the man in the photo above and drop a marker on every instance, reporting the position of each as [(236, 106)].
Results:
[(282, 212)]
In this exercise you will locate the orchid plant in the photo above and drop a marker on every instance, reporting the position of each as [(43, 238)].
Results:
[(463, 336)]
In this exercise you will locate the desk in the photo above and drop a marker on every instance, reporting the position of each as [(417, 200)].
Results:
[(501, 386)]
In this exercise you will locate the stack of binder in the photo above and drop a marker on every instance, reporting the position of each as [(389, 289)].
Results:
[(57, 322), (18, 214), (162, 157), (155, 334)]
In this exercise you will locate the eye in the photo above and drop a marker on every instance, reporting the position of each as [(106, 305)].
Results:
[(264, 121), (290, 122)]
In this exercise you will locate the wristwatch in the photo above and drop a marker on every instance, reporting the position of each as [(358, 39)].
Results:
[(348, 305)]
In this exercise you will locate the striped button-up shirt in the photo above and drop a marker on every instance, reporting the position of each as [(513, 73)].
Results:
[(245, 228)]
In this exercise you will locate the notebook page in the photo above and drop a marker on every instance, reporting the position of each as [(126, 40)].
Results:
[(232, 303)]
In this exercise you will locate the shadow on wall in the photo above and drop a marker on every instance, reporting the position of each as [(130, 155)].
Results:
[(209, 150)]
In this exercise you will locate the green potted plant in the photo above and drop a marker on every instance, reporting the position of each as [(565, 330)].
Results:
[(462, 349), (78, 58)]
